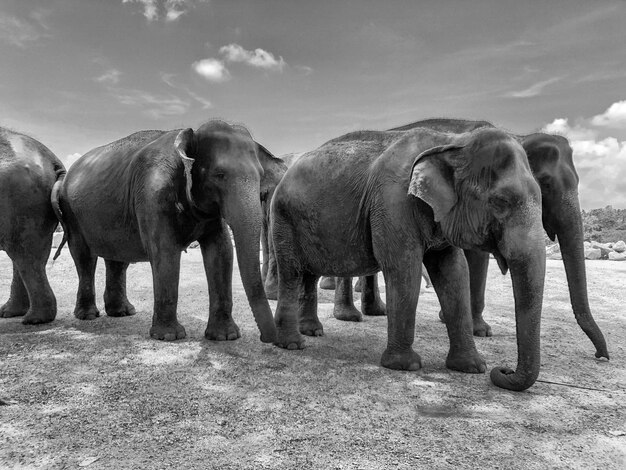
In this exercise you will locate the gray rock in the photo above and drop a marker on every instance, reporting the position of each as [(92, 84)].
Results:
[(620, 246), (593, 253), (615, 256), (604, 248)]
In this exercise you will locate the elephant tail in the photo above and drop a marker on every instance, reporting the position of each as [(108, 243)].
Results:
[(56, 206)]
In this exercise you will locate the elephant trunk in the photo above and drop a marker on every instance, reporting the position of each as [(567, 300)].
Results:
[(527, 266), (245, 220), (571, 241)]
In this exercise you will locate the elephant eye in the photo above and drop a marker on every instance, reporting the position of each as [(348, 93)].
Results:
[(219, 175)]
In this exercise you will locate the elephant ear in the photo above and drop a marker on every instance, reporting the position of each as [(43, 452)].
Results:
[(273, 170), (184, 144), (432, 180)]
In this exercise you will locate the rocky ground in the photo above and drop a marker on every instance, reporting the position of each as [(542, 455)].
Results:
[(102, 395)]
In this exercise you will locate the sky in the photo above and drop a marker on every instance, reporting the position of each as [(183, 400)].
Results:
[(77, 74)]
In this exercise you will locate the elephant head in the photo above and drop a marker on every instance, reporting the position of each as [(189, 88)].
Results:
[(224, 175), (550, 158), (483, 194)]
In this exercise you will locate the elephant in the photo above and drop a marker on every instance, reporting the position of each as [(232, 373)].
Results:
[(369, 201), (146, 196), (550, 158), (29, 172)]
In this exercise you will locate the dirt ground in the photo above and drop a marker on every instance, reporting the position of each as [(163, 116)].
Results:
[(102, 395)]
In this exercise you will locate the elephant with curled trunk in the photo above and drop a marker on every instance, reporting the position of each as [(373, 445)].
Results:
[(146, 197), (373, 201), (550, 158), (28, 173)]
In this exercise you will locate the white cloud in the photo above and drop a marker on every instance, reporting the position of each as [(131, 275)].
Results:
[(600, 163), (212, 69), (21, 32), (149, 8), (69, 160), (614, 116), (169, 10), (304, 69), (533, 90), (168, 78), (257, 58), (562, 127), (155, 106), (111, 77)]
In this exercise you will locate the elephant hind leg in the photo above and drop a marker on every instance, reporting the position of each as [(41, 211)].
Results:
[(310, 324), (116, 302), (29, 274), (371, 303), (18, 302), (344, 308), (85, 263)]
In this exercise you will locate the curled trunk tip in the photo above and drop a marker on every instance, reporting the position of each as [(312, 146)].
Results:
[(508, 379)]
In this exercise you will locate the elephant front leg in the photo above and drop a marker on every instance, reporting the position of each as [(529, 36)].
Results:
[(344, 308), (165, 262), (449, 274), (217, 255), (401, 304), (116, 302), (478, 264), (371, 303), (18, 302)]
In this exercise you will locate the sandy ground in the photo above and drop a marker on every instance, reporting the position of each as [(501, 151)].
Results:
[(102, 395)]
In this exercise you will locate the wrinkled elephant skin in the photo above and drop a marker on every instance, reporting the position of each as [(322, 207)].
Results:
[(550, 158), (146, 197), (28, 174), (408, 198)]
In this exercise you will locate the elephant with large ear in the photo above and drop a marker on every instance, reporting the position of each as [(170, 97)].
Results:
[(28, 173), (146, 197), (552, 165), (420, 198)]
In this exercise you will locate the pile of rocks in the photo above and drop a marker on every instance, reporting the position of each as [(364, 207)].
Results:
[(612, 251), (594, 250)]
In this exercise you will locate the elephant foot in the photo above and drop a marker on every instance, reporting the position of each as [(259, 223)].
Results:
[(126, 309), (347, 313), (327, 283), (87, 313), (311, 328), (168, 332), (10, 310), (407, 360), (358, 287), (224, 331), (481, 327), (291, 341), (470, 363), (374, 309), (36, 317)]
